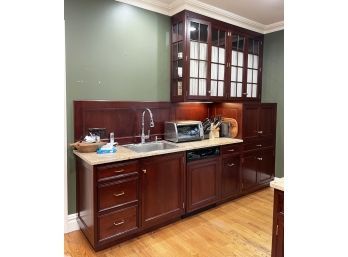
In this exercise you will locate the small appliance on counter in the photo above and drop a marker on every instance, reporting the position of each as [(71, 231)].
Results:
[(183, 131)]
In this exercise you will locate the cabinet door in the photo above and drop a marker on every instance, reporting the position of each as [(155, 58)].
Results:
[(249, 169), (267, 120), (177, 60), (198, 57), (218, 63), (236, 69), (162, 188), (202, 181), (250, 121), (266, 165), (230, 179)]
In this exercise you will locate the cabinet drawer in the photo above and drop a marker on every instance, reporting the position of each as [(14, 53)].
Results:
[(117, 223), (111, 170), (231, 149), (258, 144), (118, 193)]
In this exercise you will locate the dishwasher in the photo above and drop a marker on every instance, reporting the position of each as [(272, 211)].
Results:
[(203, 174)]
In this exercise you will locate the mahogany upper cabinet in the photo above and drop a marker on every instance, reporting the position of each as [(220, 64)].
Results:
[(214, 61), (259, 121)]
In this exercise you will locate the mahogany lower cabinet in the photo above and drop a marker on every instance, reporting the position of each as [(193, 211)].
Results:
[(230, 171), (107, 201), (162, 188), (278, 224), (203, 178), (257, 168)]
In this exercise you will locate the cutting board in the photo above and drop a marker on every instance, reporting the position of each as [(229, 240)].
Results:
[(233, 126)]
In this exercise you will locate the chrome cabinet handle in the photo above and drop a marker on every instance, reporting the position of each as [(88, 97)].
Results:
[(230, 164), (119, 223), (119, 171), (244, 93), (231, 150), (259, 158), (259, 145), (260, 131), (122, 193), (144, 170)]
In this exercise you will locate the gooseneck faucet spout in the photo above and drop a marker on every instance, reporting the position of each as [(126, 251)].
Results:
[(152, 124)]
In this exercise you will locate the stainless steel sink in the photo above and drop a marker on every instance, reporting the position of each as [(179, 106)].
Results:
[(149, 147)]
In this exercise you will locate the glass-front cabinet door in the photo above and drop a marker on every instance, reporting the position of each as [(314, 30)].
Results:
[(198, 36), (177, 51), (237, 67), (218, 63), (253, 68)]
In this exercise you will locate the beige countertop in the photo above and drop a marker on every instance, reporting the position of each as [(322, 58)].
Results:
[(123, 153), (278, 183)]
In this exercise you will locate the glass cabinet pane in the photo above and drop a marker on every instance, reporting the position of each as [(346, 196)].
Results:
[(203, 51), (194, 28), (194, 50), (202, 69), (213, 88), (203, 33), (214, 54), (194, 68)]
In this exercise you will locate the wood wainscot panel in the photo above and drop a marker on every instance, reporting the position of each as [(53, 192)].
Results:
[(122, 118), (191, 111)]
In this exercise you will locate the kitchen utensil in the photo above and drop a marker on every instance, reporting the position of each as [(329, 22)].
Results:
[(84, 147)]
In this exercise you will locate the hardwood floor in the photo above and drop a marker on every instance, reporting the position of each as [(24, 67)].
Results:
[(240, 228)]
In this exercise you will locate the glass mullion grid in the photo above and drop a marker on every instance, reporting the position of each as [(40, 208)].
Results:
[(198, 65), (234, 84), (252, 69), (217, 80)]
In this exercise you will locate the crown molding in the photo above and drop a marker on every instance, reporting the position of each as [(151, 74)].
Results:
[(207, 10), (274, 27)]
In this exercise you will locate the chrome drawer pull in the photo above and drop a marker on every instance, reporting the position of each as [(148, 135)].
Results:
[(260, 132), (119, 171), (122, 193), (119, 223), (259, 145), (230, 164), (259, 158), (144, 170), (231, 150)]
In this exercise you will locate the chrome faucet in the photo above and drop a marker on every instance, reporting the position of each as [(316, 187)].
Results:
[(143, 136)]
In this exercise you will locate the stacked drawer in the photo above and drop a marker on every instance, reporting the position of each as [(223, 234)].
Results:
[(117, 199)]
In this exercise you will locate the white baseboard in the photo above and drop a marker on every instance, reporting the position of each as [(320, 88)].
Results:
[(71, 223)]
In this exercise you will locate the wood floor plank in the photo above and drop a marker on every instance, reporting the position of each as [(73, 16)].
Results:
[(240, 228)]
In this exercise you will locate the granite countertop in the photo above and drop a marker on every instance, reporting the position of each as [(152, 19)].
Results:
[(123, 153), (278, 183)]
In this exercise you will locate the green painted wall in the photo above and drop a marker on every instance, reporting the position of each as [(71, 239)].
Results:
[(113, 52), (273, 88)]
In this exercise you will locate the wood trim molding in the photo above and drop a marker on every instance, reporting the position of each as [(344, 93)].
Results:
[(207, 10), (71, 223)]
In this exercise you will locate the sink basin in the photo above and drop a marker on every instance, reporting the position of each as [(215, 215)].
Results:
[(149, 147)]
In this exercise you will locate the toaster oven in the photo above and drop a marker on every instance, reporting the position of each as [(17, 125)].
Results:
[(183, 131)]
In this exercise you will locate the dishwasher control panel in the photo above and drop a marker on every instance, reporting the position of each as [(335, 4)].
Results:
[(203, 153)]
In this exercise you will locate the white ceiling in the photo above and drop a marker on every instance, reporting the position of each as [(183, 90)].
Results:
[(263, 11), (259, 15)]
